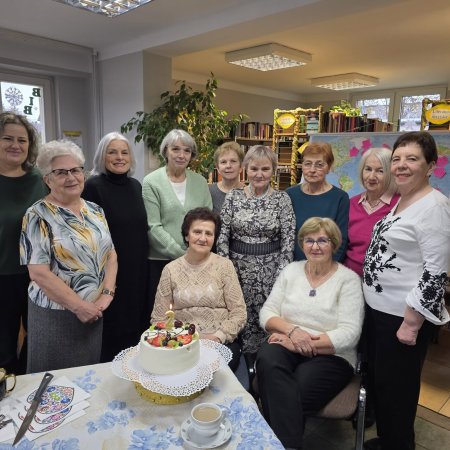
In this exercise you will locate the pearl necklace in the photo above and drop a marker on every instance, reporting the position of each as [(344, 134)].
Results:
[(313, 291), (253, 194)]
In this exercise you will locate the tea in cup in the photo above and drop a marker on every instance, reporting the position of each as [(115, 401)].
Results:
[(206, 419), (4, 382)]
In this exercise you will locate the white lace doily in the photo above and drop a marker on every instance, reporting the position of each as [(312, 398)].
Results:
[(213, 356)]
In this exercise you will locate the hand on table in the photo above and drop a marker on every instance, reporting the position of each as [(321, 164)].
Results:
[(211, 337)]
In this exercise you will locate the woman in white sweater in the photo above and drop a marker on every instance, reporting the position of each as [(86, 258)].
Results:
[(314, 314)]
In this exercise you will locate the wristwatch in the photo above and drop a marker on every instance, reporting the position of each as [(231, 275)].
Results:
[(108, 292)]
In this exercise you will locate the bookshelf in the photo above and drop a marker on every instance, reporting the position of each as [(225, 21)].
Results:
[(291, 130)]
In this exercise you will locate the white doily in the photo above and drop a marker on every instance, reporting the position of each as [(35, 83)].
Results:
[(213, 356)]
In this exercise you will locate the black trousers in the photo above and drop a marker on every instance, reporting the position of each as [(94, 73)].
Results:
[(13, 309), (395, 370), (293, 386)]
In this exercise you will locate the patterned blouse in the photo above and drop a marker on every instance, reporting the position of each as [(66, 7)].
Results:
[(408, 259), (75, 249)]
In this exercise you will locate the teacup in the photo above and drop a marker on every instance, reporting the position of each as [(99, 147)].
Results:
[(4, 382), (206, 419)]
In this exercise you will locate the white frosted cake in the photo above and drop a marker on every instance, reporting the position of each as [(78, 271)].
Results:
[(169, 348)]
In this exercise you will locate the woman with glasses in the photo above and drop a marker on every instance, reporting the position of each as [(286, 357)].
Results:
[(113, 188), (20, 186), (317, 197), (169, 193), (66, 244), (314, 316)]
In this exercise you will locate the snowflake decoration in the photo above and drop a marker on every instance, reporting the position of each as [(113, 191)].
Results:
[(13, 96)]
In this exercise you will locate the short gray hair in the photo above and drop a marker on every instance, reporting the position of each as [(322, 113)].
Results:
[(260, 152), (51, 150), (100, 153), (178, 135), (384, 156)]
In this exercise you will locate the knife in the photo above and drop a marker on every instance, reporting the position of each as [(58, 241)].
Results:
[(33, 408)]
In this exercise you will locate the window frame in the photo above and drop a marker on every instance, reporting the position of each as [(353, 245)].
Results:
[(48, 95), (395, 96)]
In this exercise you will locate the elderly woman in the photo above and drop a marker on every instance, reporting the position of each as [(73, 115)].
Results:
[(169, 192), (20, 186), (405, 274), (317, 197), (66, 244), (314, 314), (228, 159), (258, 236), (373, 204), (202, 287), (120, 196)]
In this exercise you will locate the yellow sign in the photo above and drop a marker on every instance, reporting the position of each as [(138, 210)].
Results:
[(438, 114), (286, 120)]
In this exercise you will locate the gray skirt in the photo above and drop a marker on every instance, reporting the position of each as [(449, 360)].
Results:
[(57, 340)]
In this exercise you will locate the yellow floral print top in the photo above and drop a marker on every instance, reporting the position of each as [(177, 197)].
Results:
[(75, 249)]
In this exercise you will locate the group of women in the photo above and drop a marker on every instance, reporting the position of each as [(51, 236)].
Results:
[(106, 254)]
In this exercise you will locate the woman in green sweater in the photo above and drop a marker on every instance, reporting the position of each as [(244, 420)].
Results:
[(169, 193), (20, 186)]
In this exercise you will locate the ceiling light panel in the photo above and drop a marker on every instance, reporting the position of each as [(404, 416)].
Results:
[(105, 7), (345, 81), (268, 57)]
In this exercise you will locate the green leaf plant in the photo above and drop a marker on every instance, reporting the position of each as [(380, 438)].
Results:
[(192, 111)]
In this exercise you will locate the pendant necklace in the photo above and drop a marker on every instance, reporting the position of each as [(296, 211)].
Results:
[(313, 290)]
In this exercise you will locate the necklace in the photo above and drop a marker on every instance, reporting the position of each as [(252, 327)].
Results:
[(253, 194), (373, 205), (313, 291)]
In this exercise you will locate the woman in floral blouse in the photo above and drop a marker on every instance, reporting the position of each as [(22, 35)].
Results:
[(66, 244), (405, 273), (258, 232)]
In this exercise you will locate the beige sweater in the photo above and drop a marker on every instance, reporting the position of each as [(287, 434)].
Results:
[(208, 295)]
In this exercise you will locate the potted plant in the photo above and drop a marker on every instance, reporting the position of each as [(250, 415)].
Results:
[(192, 111), (347, 108)]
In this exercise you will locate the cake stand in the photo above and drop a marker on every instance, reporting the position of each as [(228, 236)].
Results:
[(172, 389)]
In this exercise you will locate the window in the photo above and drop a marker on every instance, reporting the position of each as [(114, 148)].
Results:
[(30, 97), (411, 111), (375, 108), (402, 107)]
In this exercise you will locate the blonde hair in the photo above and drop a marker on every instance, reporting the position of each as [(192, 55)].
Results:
[(315, 224), (259, 152), (229, 147)]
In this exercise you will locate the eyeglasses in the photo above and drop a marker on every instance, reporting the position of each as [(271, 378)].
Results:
[(319, 165), (64, 173), (321, 242)]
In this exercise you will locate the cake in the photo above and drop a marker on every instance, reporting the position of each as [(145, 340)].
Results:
[(168, 348)]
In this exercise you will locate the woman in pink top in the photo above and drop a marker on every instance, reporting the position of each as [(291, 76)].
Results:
[(373, 204)]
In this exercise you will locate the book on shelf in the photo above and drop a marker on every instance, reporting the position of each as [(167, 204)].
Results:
[(255, 130), (339, 122)]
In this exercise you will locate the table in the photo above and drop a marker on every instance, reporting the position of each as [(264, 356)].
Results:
[(118, 418)]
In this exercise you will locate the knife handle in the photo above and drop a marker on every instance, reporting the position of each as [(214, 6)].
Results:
[(43, 386)]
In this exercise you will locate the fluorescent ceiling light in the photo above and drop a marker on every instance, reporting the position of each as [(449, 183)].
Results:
[(110, 8), (345, 81), (268, 57)]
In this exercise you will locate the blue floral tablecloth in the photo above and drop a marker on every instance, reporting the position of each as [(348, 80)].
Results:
[(118, 418)]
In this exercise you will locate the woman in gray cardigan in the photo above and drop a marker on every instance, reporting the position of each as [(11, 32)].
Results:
[(169, 193)]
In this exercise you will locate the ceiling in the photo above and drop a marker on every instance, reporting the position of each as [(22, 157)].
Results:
[(404, 43)]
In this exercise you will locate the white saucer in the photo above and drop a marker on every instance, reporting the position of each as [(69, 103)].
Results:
[(190, 436)]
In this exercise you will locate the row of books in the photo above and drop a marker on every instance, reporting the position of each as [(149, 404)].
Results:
[(339, 122), (255, 130)]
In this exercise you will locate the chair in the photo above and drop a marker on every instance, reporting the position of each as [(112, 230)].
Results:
[(349, 404)]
